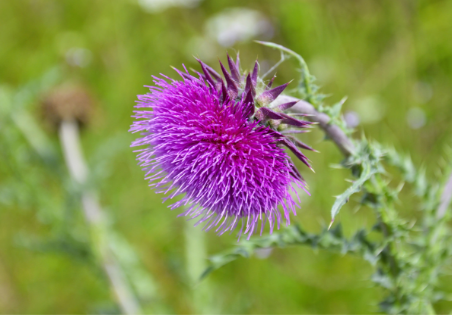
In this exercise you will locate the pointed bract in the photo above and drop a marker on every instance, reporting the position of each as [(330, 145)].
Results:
[(296, 173), (297, 152), (237, 63), (223, 94), (286, 106), (234, 69), (300, 144), (249, 86), (265, 113), (270, 83), (295, 122), (249, 104), (213, 73), (206, 73), (255, 73), (233, 89), (269, 96)]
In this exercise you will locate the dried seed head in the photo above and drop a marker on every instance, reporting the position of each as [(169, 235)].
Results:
[(68, 102)]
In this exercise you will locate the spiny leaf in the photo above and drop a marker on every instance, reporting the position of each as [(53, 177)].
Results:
[(332, 240), (366, 173)]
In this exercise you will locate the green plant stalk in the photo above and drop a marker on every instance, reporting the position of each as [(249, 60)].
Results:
[(95, 218), (196, 263), (34, 135), (306, 76)]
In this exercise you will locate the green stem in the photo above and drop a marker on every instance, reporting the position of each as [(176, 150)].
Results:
[(196, 263), (95, 218), (304, 69)]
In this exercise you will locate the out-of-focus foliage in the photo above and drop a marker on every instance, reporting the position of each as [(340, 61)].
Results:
[(393, 59)]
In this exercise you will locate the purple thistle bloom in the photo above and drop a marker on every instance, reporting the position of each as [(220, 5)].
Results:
[(205, 140)]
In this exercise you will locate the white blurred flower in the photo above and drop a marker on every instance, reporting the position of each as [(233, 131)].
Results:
[(202, 47), (78, 57), (323, 67), (237, 25), (415, 118), (263, 253), (422, 92), (69, 39), (155, 6), (351, 119), (370, 109)]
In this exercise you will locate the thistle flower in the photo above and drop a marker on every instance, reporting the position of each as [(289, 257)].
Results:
[(215, 142)]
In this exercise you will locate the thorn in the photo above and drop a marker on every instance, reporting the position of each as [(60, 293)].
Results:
[(270, 83), (329, 227)]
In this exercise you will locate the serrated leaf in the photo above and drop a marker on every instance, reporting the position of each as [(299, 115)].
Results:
[(342, 199), (382, 279), (370, 257), (335, 109)]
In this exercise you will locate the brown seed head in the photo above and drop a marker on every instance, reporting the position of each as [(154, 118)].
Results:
[(69, 102)]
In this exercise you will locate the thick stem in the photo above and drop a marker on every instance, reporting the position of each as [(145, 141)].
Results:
[(333, 131), (70, 141), (346, 145), (446, 198)]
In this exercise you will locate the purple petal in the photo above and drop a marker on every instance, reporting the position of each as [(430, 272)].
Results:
[(183, 74)]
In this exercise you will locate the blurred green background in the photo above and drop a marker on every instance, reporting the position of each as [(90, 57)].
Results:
[(393, 59)]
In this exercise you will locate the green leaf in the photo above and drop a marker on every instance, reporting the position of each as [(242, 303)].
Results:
[(342, 199)]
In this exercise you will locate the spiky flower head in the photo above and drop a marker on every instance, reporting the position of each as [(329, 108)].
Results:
[(218, 144)]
